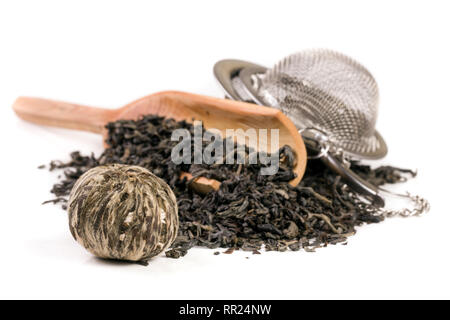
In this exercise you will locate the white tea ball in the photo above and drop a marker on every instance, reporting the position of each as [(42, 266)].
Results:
[(123, 212)]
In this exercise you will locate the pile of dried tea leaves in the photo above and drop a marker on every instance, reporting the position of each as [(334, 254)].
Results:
[(250, 211)]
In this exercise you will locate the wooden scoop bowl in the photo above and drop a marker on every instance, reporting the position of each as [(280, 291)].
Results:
[(215, 113)]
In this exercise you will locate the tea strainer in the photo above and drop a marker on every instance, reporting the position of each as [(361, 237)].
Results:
[(333, 101)]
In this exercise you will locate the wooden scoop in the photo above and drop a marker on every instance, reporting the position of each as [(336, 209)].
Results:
[(215, 113)]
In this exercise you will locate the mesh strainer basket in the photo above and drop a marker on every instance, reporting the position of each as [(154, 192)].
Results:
[(327, 91), (333, 101)]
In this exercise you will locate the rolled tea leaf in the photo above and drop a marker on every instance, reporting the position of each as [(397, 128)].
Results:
[(123, 212), (249, 211)]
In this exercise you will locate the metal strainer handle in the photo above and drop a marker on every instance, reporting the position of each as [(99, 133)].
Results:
[(418, 205), (353, 180), (315, 139)]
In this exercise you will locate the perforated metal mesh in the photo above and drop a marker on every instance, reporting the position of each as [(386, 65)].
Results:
[(328, 91)]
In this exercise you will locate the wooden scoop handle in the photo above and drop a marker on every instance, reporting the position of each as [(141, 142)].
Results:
[(63, 114), (73, 116)]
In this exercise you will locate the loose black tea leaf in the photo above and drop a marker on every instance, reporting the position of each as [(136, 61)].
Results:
[(250, 211)]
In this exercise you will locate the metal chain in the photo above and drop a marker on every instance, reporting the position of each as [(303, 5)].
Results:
[(421, 206)]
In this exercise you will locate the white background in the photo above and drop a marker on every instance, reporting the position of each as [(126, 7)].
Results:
[(108, 53)]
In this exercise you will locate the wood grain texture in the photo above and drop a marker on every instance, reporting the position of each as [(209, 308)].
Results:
[(63, 114), (201, 184), (221, 114)]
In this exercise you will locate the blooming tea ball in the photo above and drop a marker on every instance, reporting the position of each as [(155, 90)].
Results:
[(123, 212)]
